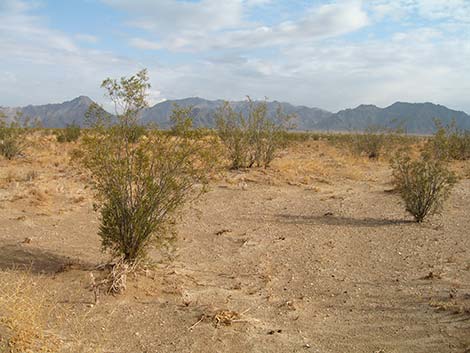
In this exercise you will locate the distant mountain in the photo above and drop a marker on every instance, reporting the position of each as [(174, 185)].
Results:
[(55, 115), (203, 112), (413, 117)]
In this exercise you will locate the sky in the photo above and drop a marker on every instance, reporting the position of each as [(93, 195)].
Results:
[(330, 54)]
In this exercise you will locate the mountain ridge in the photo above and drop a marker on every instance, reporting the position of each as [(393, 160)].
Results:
[(413, 117)]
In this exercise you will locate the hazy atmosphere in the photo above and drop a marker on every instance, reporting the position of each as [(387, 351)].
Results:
[(327, 54)]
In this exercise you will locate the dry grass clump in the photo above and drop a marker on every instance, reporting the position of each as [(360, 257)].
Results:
[(226, 317), (114, 281), (13, 177), (452, 306), (306, 163), (38, 196), (223, 317), (24, 310)]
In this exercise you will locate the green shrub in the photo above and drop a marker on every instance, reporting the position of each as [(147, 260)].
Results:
[(70, 133), (376, 140), (10, 148), (423, 184), (303, 136), (11, 143), (449, 142), (370, 142), (61, 138), (140, 184), (253, 139), (134, 132)]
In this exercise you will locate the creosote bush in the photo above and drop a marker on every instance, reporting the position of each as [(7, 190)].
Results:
[(141, 181), (252, 139), (11, 141), (375, 140), (423, 184), (449, 143), (70, 133)]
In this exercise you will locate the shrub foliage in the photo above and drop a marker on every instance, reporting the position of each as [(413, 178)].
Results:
[(71, 133), (449, 142), (251, 139), (375, 140), (141, 181), (11, 141), (423, 184)]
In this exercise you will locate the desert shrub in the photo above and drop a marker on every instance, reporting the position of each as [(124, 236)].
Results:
[(70, 133), (10, 148), (134, 132), (11, 143), (449, 142), (303, 136), (423, 184), (374, 141), (140, 184), (252, 139), (370, 142)]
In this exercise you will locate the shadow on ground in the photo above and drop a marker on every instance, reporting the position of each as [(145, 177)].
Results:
[(333, 220), (25, 257)]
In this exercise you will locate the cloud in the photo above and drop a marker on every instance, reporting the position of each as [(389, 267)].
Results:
[(444, 10), (86, 38), (190, 27), (46, 65), (419, 65), (145, 44), (164, 16), (17, 6), (333, 55)]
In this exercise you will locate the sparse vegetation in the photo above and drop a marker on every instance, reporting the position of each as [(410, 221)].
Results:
[(449, 143), (23, 315), (10, 143), (376, 140), (251, 140), (234, 242), (140, 182), (370, 142), (423, 184), (70, 133)]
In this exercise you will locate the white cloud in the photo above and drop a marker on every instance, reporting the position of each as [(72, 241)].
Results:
[(304, 59), (46, 65), (17, 6), (450, 10), (86, 38), (417, 66), (188, 29), (165, 16), (141, 43)]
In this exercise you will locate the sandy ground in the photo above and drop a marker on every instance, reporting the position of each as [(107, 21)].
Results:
[(315, 254)]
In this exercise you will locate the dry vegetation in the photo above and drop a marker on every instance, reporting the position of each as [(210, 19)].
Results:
[(315, 253)]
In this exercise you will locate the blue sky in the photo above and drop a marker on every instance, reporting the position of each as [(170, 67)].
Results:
[(330, 54)]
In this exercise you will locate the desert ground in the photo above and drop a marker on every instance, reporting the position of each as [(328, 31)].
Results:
[(313, 254)]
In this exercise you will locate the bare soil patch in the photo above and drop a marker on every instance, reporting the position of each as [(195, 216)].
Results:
[(314, 254)]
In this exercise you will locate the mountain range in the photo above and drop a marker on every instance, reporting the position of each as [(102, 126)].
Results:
[(413, 117)]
